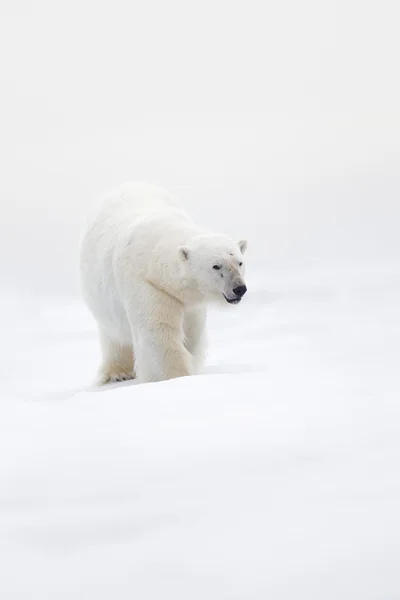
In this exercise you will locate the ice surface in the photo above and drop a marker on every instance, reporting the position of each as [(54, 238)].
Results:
[(275, 474)]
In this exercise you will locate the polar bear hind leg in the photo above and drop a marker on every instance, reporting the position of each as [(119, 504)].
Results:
[(117, 361)]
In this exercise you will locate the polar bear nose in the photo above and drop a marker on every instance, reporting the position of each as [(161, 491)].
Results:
[(240, 290)]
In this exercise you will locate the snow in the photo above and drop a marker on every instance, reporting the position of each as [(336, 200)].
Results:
[(275, 474)]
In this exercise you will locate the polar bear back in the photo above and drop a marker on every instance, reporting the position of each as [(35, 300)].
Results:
[(144, 215), (122, 211)]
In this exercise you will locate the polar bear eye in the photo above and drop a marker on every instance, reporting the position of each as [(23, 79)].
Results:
[(240, 264), (217, 267)]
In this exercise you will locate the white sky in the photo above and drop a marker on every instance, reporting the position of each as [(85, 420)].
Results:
[(273, 121)]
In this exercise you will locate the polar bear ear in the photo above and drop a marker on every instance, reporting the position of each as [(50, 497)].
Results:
[(242, 246), (183, 252)]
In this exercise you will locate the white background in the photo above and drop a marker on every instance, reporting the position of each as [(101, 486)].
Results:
[(275, 473)]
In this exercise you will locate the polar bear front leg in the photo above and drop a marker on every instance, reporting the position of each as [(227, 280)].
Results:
[(194, 324), (157, 329)]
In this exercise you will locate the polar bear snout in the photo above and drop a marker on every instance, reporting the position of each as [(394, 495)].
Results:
[(240, 290), (236, 295)]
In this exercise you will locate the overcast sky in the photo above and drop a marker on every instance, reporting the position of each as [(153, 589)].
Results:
[(275, 121)]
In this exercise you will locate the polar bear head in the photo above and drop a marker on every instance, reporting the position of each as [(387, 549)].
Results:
[(214, 266)]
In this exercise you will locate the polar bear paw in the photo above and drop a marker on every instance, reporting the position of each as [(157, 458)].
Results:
[(113, 376)]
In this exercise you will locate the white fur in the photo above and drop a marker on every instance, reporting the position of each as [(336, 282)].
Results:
[(147, 274)]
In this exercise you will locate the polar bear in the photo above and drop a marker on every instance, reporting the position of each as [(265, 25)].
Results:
[(147, 275)]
